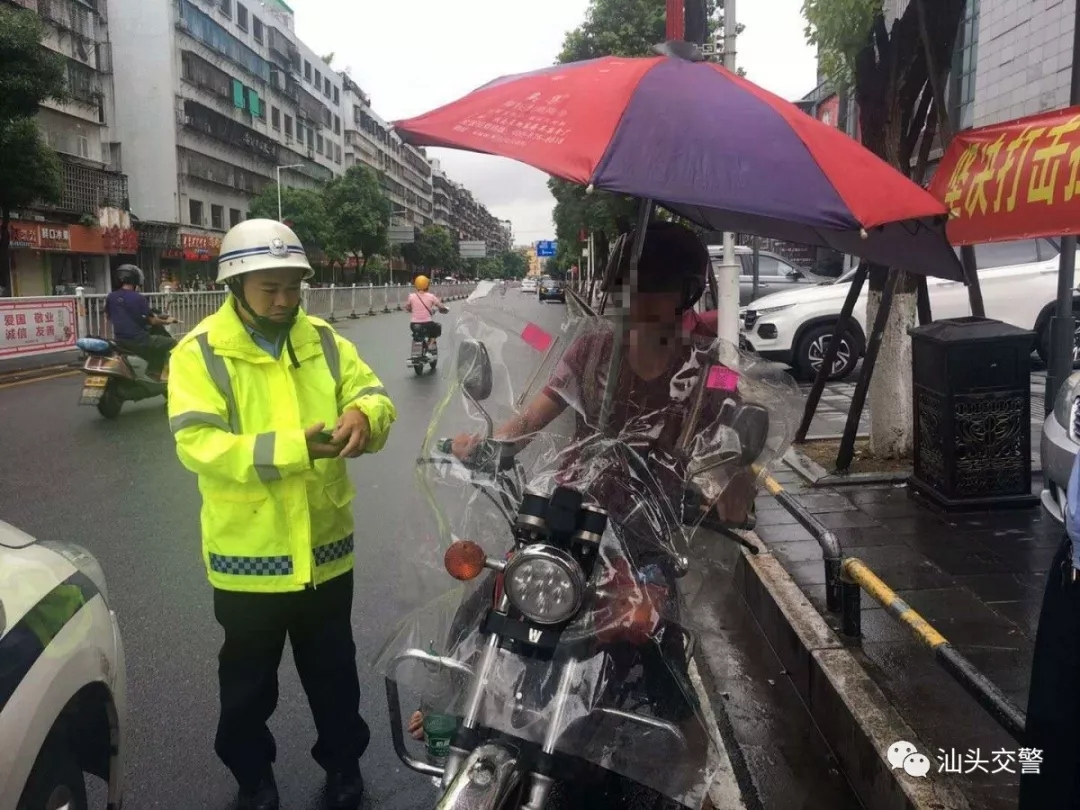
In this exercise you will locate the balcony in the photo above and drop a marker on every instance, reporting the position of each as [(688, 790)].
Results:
[(67, 15), (84, 190), (202, 119), (219, 173)]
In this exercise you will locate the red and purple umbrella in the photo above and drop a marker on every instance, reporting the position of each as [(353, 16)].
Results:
[(707, 145)]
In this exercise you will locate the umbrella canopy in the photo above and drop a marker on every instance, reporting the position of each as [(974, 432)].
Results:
[(707, 145)]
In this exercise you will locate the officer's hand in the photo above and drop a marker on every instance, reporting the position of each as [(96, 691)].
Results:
[(317, 448), (353, 431)]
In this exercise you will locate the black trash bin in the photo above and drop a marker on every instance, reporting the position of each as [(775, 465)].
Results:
[(972, 392)]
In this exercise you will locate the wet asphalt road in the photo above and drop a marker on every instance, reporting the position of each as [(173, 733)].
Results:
[(118, 488)]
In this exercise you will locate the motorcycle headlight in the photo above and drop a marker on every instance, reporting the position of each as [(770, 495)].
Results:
[(546, 584), (1064, 405), (81, 559)]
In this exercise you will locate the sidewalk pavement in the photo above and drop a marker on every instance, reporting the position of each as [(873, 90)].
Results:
[(977, 578)]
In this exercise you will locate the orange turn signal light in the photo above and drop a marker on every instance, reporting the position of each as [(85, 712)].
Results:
[(464, 560)]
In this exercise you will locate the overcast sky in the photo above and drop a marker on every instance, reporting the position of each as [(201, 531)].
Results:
[(414, 55)]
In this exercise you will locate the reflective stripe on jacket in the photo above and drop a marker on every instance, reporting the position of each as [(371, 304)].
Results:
[(272, 519)]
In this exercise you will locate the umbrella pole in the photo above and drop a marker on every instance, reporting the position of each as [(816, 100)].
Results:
[(831, 351), (847, 443), (645, 212)]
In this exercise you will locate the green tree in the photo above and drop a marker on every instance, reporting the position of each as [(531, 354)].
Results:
[(303, 209), (514, 264), (897, 68), (437, 248), (611, 28), (358, 214), (29, 75)]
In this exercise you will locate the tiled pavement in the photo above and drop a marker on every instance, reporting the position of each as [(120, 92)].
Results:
[(832, 411), (978, 579)]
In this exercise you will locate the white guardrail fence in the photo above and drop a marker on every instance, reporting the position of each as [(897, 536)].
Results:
[(32, 327)]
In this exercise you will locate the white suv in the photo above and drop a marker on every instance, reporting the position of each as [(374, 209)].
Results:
[(1019, 286), (62, 682)]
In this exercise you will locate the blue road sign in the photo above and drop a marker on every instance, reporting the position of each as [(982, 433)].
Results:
[(546, 250)]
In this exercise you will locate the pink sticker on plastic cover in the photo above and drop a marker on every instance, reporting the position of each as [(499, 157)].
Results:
[(723, 378), (536, 337)]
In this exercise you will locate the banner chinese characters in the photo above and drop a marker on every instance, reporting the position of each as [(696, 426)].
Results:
[(1015, 180), (199, 247), (36, 326)]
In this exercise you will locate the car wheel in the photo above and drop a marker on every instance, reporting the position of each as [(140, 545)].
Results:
[(812, 348), (55, 783), (1042, 344)]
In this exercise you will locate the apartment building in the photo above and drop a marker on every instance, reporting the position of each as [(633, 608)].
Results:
[(74, 241), (215, 99), (404, 170)]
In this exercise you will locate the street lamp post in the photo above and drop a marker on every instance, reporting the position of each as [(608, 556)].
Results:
[(277, 171)]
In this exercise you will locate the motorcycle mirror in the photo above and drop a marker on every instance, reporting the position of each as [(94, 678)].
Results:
[(751, 425), (474, 370)]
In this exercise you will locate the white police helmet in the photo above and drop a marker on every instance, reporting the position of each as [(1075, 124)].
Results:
[(260, 244)]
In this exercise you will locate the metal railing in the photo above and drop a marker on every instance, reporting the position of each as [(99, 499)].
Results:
[(331, 303)]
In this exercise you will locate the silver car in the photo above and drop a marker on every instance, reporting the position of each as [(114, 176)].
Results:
[(1059, 446), (775, 273)]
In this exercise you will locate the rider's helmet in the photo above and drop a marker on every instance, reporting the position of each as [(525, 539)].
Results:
[(129, 274), (260, 244), (673, 258), (422, 283)]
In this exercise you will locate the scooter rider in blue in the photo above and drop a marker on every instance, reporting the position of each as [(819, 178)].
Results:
[(134, 323)]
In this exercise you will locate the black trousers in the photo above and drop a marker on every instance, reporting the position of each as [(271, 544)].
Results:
[(154, 349), (429, 329), (1053, 714), (318, 624)]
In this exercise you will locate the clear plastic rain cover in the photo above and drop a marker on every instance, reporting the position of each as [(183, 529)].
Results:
[(674, 442)]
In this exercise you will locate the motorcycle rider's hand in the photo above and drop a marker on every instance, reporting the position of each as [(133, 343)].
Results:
[(415, 726), (353, 431), (316, 448), (464, 445)]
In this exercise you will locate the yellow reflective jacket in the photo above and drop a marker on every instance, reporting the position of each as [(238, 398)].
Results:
[(272, 519)]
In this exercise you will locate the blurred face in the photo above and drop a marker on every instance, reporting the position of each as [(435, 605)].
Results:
[(273, 294)]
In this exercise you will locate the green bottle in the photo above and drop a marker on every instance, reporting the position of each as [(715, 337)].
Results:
[(439, 724)]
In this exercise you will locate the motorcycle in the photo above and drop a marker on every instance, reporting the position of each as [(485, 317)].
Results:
[(115, 376), (424, 351), (568, 666)]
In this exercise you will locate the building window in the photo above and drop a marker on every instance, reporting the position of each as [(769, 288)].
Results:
[(318, 81), (337, 125), (275, 118), (337, 96), (319, 144), (288, 126), (307, 70), (217, 217), (226, 8), (241, 17), (310, 138), (326, 88), (337, 153), (234, 217), (257, 29), (195, 212), (965, 59)]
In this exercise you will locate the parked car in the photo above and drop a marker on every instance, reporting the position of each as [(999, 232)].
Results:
[(1019, 286), (529, 285), (775, 273), (551, 289), (62, 682), (1059, 445)]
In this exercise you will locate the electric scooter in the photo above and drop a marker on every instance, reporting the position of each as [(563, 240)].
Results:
[(115, 376)]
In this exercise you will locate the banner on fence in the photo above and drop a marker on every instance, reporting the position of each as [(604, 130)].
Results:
[(36, 326)]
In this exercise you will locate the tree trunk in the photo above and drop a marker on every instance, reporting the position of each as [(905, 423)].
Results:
[(5, 252)]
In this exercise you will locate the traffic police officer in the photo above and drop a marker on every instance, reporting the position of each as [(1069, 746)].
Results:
[(266, 402)]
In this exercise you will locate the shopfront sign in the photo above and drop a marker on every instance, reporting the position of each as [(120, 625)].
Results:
[(199, 247), (1015, 180), (120, 240), (59, 238), (36, 326)]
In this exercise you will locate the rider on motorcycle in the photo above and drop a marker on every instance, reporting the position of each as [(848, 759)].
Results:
[(421, 305), (649, 399), (137, 329)]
